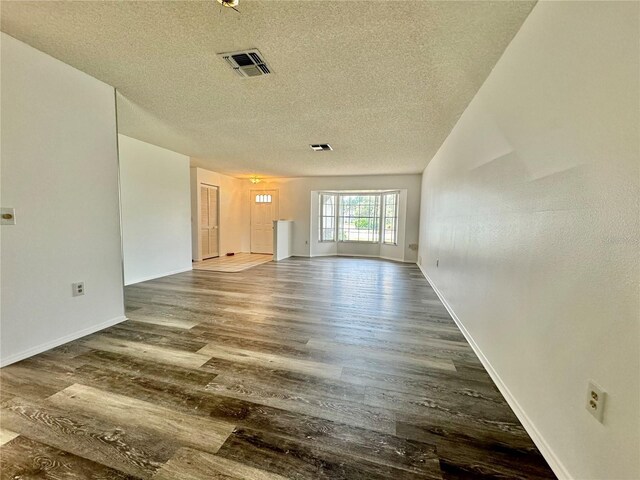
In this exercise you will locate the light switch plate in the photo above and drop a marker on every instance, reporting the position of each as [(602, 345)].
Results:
[(5, 212)]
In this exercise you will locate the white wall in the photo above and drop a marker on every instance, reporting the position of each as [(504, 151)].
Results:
[(60, 173), (531, 206), (282, 239), (234, 211), (156, 210), (296, 198)]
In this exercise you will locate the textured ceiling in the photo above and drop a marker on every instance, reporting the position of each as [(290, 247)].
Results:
[(382, 81)]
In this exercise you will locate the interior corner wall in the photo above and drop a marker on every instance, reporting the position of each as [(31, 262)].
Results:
[(60, 173), (531, 207), (156, 210), (234, 223), (295, 197)]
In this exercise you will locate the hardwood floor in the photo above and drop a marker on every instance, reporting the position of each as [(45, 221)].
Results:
[(307, 368)]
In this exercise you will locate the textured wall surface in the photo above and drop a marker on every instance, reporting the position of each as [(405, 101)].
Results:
[(155, 195), (531, 208), (60, 173)]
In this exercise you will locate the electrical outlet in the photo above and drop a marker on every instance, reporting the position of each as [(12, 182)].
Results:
[(77, 289), (419, 259), (595, 400)]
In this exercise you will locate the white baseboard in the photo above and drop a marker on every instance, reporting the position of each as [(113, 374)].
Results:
[(43, 347), (160, 275), (554, 462), (396, 259)]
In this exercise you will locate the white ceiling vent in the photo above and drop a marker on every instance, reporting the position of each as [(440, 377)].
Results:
[(321, 147), (248, 63)]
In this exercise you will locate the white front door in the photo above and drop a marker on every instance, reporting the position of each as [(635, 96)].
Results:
[(264, 210), (208, 221)]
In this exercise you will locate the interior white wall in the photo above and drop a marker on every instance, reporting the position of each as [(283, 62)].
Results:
[(156, 210), (296, 199), (60, 173), (233, 207), (531, 207), (282, 239)]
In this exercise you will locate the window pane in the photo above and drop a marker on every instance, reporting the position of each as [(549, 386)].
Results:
[(327, 218), (359, 218), (365, 217), (390, 218)]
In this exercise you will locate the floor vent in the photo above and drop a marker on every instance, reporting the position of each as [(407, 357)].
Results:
[(248, 63)]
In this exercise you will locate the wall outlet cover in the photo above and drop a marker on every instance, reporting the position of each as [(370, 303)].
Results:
[(596, 397), (77, 289)]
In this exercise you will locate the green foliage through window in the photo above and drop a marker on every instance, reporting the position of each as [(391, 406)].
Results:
[(359, 217)]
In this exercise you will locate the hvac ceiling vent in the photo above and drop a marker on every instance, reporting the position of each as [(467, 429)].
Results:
[(248, 63), (321, 147)]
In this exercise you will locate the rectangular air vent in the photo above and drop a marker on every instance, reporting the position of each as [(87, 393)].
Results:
[(248, 63), (321, 147)]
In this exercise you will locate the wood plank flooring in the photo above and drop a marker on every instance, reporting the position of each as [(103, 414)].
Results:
[(330, 368)]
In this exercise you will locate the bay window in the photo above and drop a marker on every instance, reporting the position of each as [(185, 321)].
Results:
[(370, 217)]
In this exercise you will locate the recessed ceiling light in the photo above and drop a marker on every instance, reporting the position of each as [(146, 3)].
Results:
[(321, 147)]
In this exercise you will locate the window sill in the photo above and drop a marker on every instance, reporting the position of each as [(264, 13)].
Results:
[(359, 241)]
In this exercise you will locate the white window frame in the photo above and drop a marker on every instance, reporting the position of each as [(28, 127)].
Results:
[(396, 220), (321, 237), (338, 205), (338, 216)]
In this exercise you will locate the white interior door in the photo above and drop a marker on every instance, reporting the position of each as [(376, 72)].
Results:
[(264, 210), (208, 221)]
